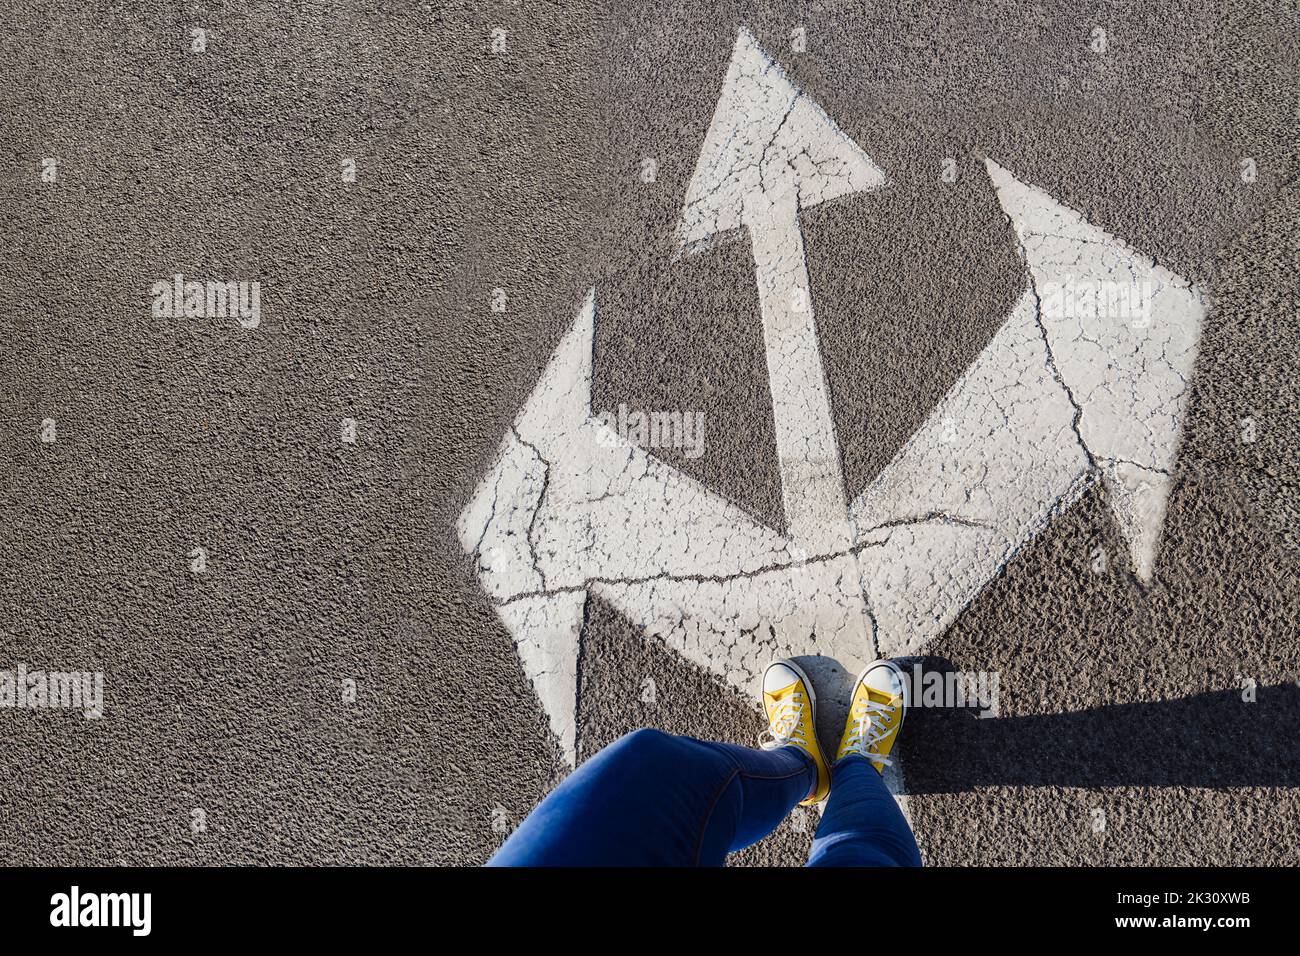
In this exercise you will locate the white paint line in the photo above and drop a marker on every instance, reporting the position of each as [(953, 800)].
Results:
[(812, 480)]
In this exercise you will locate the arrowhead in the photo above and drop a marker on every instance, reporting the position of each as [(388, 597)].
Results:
[(766, 139), (546, 630), (1121, 332), (570, 505), (561, 399), (496, 527)]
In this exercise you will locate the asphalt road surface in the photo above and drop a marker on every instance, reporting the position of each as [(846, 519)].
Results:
[(255, 531)]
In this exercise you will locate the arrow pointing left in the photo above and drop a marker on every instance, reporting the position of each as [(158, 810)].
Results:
[(571, 506)]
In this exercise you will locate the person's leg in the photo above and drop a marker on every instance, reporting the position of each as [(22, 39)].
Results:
[(652, 799), (862, 825)]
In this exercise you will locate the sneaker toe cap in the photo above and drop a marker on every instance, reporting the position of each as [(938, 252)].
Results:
[(885, 678), (777, 677)]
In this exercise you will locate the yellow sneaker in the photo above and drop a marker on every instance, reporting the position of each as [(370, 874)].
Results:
[(791, 719), (876, 713)]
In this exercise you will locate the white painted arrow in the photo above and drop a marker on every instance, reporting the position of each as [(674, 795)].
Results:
[(1064, 394), (769, 152), (1128, 373), (570, 506), (1058, 398)]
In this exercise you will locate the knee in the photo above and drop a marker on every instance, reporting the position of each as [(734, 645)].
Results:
[(646, 742), (644, 749)]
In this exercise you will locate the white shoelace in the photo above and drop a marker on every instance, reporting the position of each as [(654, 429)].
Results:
[(784, 725), (867, 731)]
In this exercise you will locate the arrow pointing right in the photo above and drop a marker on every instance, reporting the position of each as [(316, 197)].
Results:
[(1065, 393), (1128, 376)]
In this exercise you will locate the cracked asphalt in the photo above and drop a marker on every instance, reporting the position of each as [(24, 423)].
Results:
[(1122, 734)]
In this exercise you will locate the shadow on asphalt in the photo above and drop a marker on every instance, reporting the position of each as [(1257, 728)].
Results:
[(1214, 740)]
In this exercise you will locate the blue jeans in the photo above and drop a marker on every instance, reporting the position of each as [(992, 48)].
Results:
[(652, 799)]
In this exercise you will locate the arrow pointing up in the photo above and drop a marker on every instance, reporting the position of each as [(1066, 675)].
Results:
[(769, 152), (767, 141)]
